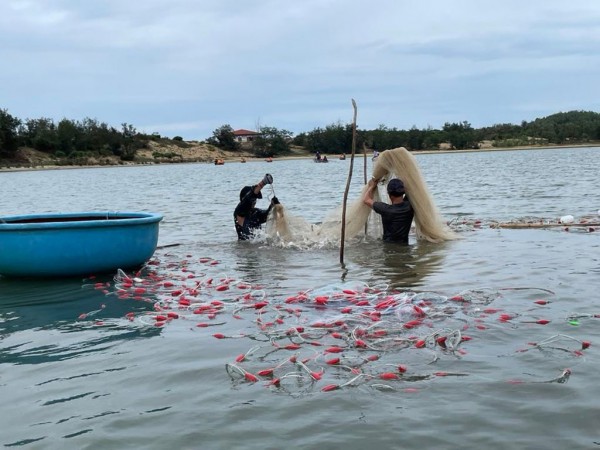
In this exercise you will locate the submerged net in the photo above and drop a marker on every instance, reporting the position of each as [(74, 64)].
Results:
[(349, 335), (360, 220)]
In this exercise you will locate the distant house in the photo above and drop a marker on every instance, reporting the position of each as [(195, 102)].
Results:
[(245, 135)]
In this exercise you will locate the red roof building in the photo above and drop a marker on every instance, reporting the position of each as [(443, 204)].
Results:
[(242, 135)]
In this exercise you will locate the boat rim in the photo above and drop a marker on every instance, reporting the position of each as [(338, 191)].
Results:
[(77, 220)]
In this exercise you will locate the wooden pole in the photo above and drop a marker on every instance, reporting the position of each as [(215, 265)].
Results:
[(365, 172), (348, 184), (365, 160)]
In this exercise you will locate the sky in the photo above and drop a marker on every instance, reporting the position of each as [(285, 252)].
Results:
[(187, 67)]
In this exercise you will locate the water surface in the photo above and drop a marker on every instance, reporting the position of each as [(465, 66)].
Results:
[(75, 372)]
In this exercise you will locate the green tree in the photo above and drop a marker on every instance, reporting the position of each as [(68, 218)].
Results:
[(572, 126), (39, 134), (68, 134), (271, 142), (416, 138), (432, 139), (299, 139), (128, 148), (224, 138), (384, 138), (460, 135), (334, 139), (9, 139)]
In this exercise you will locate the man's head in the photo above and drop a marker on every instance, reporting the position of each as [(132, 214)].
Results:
[(245, 191), (395, 188)]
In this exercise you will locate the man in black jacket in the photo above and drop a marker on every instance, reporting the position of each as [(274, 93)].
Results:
[(397, 217), (247, 217)]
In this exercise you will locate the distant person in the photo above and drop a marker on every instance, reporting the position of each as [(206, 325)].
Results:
[(324, 158), (397, 217), (247, 217), (318, 156)]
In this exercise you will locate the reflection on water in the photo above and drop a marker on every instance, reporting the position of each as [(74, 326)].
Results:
[(400, 266), (253, 261), (74, 312), (42, 291)]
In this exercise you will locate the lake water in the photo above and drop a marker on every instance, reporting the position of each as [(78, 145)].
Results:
[(471, 349)]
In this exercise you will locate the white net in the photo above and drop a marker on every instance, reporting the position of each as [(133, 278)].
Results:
[(360, 220)]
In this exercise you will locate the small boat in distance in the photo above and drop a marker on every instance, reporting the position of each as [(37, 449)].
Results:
[(269, 159), (321, 159), (343, 156), (242, 159), (219, 161), (75, 244)]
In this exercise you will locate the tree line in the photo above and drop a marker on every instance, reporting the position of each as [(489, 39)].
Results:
[(89, 137), (574, 127), (69, 138)]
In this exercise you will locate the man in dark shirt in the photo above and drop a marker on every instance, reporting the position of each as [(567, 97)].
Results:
[(397, 217), (247, 217)]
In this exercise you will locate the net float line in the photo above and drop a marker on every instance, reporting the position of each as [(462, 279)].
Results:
[(544, 225), (346, 335), (592, 223)]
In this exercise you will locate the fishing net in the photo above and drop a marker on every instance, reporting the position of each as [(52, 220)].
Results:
[(293, 231), (400, 163), (360, 220), (352, 334)]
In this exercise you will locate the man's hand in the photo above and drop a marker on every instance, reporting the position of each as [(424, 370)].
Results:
[(267, 179), (368, 194)]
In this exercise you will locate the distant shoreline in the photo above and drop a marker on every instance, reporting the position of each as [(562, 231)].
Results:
[(508, 149), (236, 159)]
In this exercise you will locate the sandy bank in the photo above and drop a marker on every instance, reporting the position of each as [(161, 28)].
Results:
[(204, 157)]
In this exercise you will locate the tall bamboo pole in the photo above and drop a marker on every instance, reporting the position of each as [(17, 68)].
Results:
[(348, 184), (365, 172), (365, 160)]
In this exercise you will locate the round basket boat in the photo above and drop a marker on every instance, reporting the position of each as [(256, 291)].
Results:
[(71, 244)]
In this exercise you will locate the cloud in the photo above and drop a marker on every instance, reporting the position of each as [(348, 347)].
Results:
[(186, 67)]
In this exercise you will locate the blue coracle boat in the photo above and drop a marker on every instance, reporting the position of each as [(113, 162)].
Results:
[(80, 243)]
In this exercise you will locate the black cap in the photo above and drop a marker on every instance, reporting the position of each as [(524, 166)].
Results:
[(247, 189), (395, 187)]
